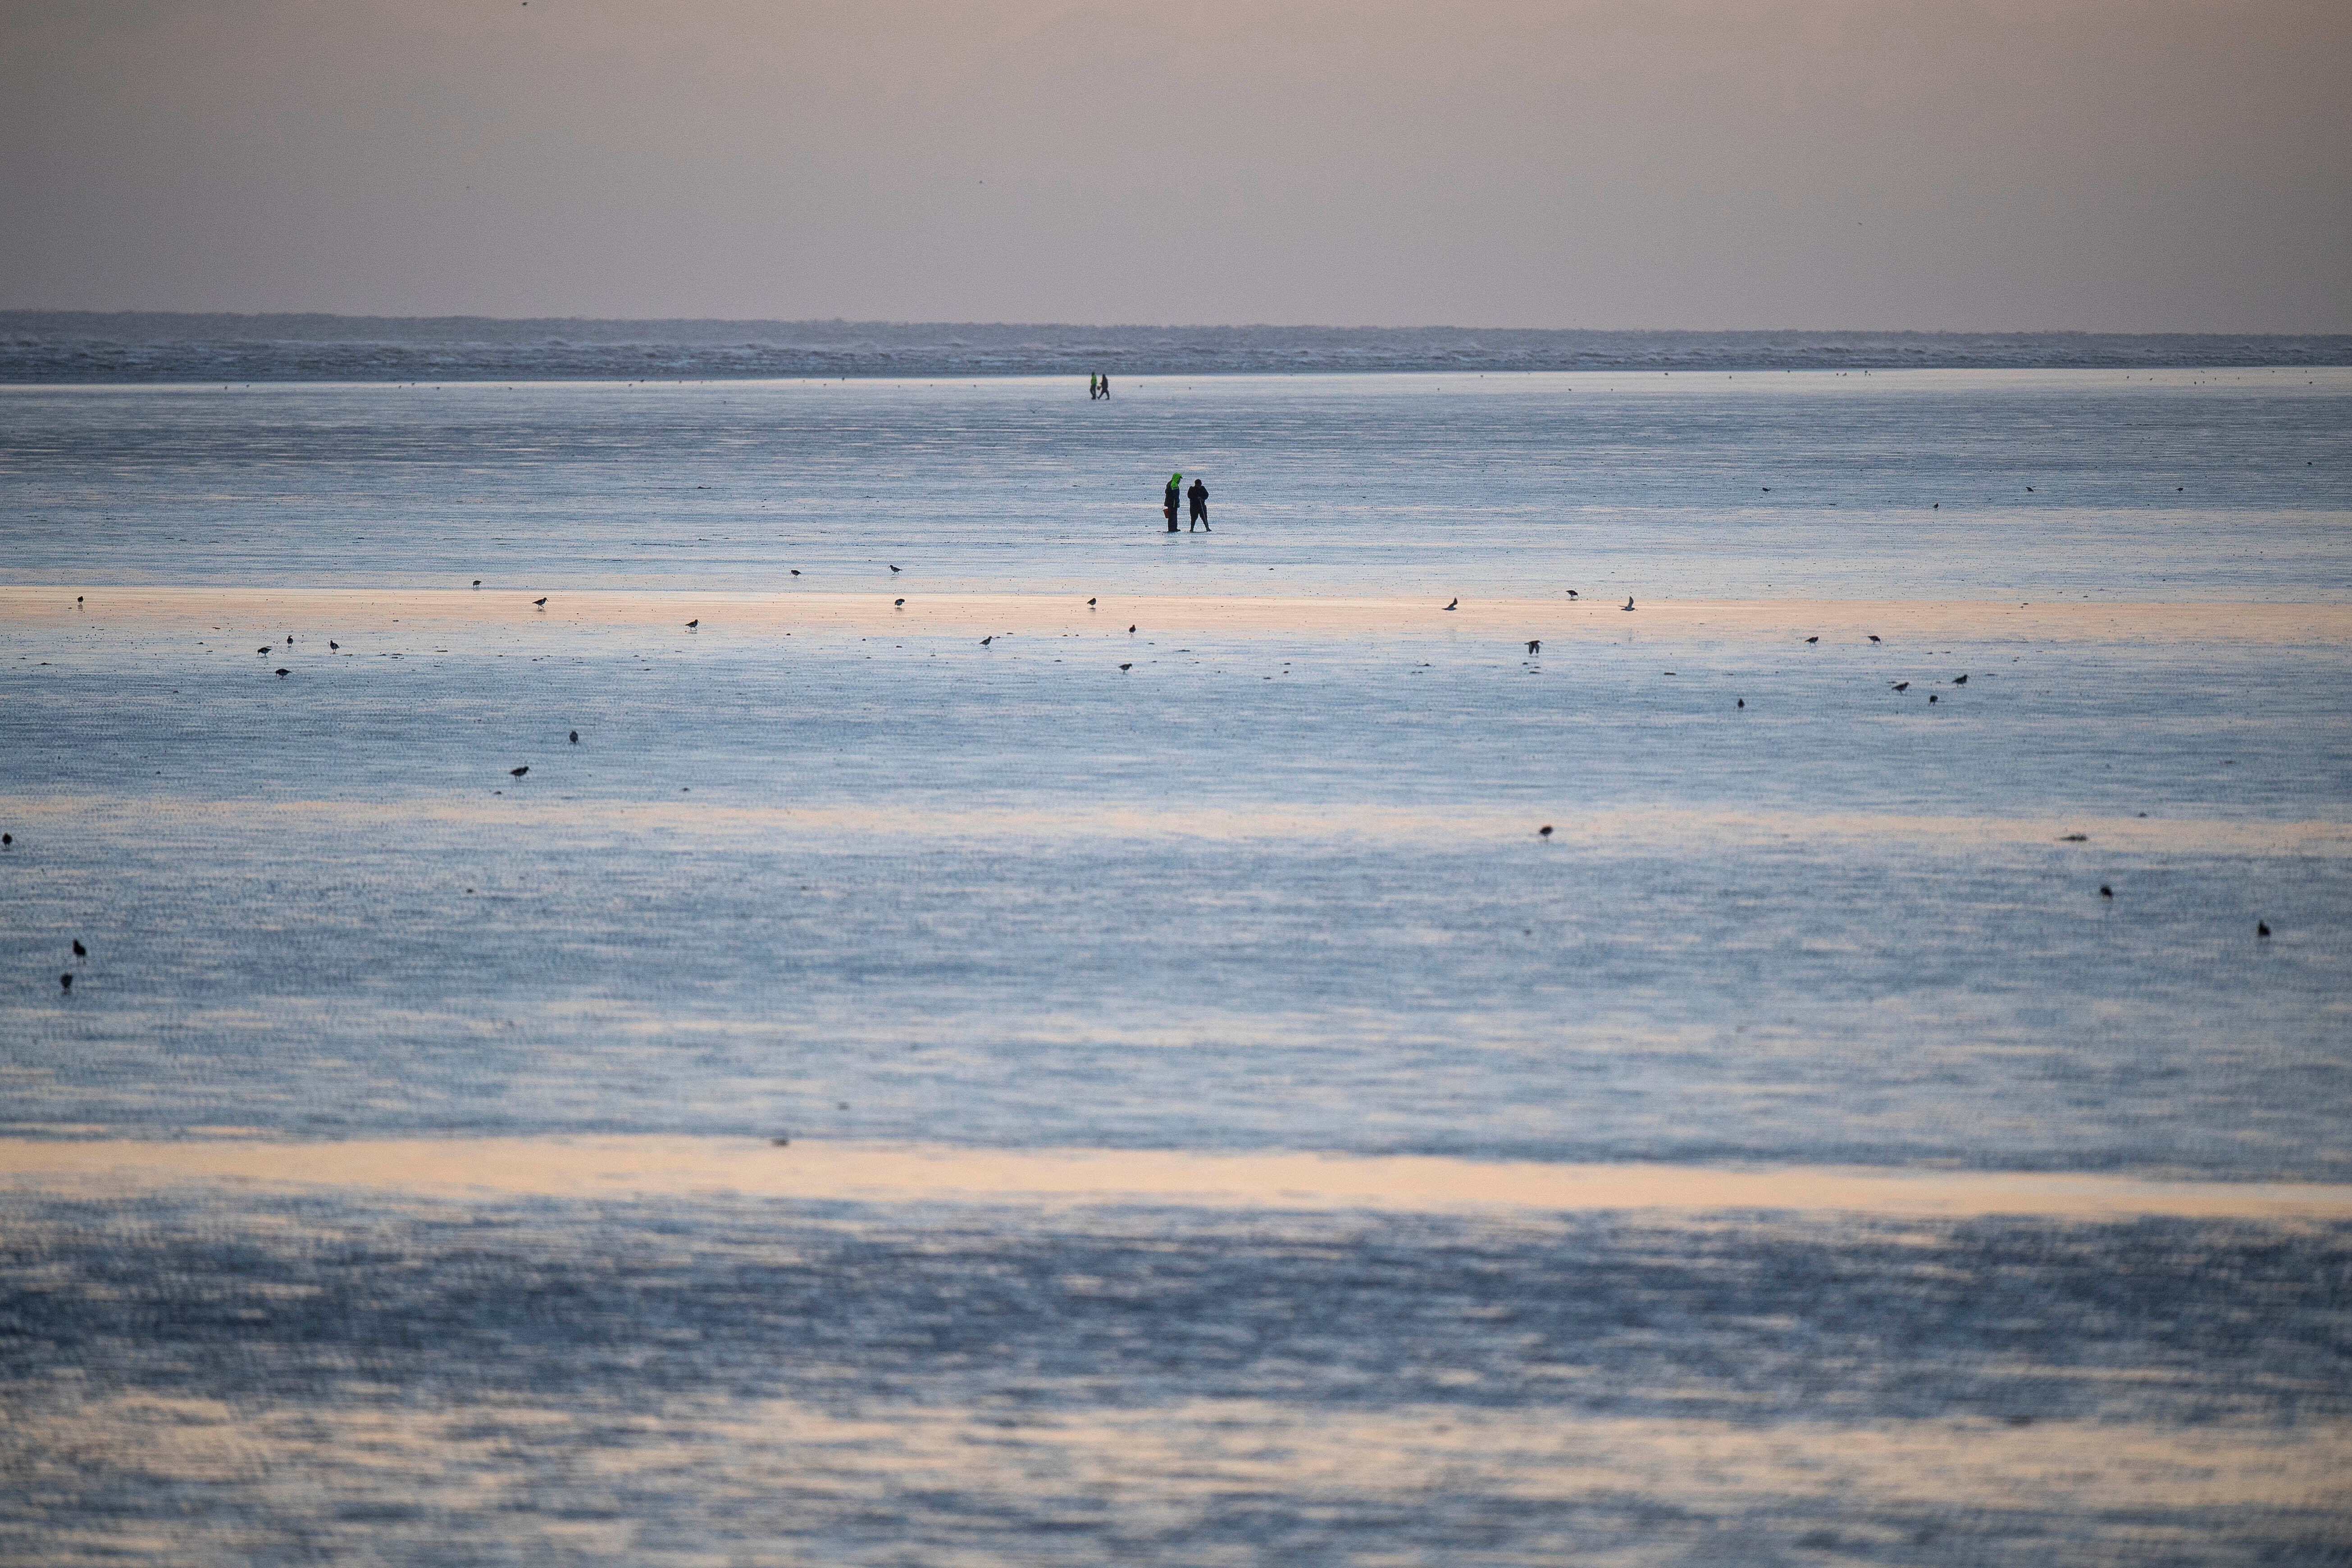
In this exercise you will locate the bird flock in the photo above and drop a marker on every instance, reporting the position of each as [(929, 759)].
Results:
[(1534, 646)]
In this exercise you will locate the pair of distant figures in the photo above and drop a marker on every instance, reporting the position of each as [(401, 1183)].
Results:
[(1097, 386), (1198, 495)]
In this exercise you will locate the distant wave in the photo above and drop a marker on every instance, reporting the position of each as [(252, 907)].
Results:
[(56, 346)]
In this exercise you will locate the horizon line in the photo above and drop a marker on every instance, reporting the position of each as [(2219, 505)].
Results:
[(18, 312)]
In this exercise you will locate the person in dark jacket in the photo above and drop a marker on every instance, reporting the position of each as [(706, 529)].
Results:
[(1199, 496), (1167, 503)]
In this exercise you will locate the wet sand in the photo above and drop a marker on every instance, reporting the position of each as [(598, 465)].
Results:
[(1221, 1129), (1657, 828), (811, 1169), (319, 611)]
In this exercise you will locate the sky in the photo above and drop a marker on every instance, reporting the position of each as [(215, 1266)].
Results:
[(2124, 166)]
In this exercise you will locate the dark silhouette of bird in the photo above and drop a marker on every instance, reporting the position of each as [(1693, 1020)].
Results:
[(2262, 929), (2029, 489), (796, 570), (901, 604), (1902, 686), (1741, 703), (1571, 593), (79, 951), (989, 639), (1535, 645), (1126, 667), (575, 737), (78, 596), (1872, 635), (289, 639), (2073, 838), (8, 839), (1457, 605), (1629, 601), (1131, 631), (520, 771), (1090, 604), (283, 672), (1545, 831), (477, 582), (1812, 640), (1959, 680), (66, 981), (2106, 892), (331, 645), (894, 568), (261, 650), (779, 1142), (694, 623), (540, 603), (1931, 696)]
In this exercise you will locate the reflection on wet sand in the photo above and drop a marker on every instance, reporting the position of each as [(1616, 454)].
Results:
[(845, 1172), (424, 613), (1053, 1486), (261, 1374), (1656, 828)]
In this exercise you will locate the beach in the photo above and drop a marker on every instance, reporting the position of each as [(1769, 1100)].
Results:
[(1102, 1046)]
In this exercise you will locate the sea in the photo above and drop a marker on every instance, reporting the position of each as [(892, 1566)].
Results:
[(524, 813)]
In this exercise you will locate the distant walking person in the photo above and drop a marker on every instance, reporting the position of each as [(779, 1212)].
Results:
[(1094, 386), (1168, 502), (1106, 385), (1199, 496)]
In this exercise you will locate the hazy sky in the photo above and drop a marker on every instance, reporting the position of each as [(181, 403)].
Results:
[(2131, 165)]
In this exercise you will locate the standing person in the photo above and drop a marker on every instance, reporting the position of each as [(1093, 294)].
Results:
[(1094, 386), (1105, 383), (1199, 496), (1168, 502)]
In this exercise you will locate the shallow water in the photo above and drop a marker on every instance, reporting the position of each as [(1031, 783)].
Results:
[(2148, 485), (1257, 889), (291, 1380), (1277, 885)]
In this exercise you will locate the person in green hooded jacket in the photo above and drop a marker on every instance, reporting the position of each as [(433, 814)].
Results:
[(1167, 503)]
